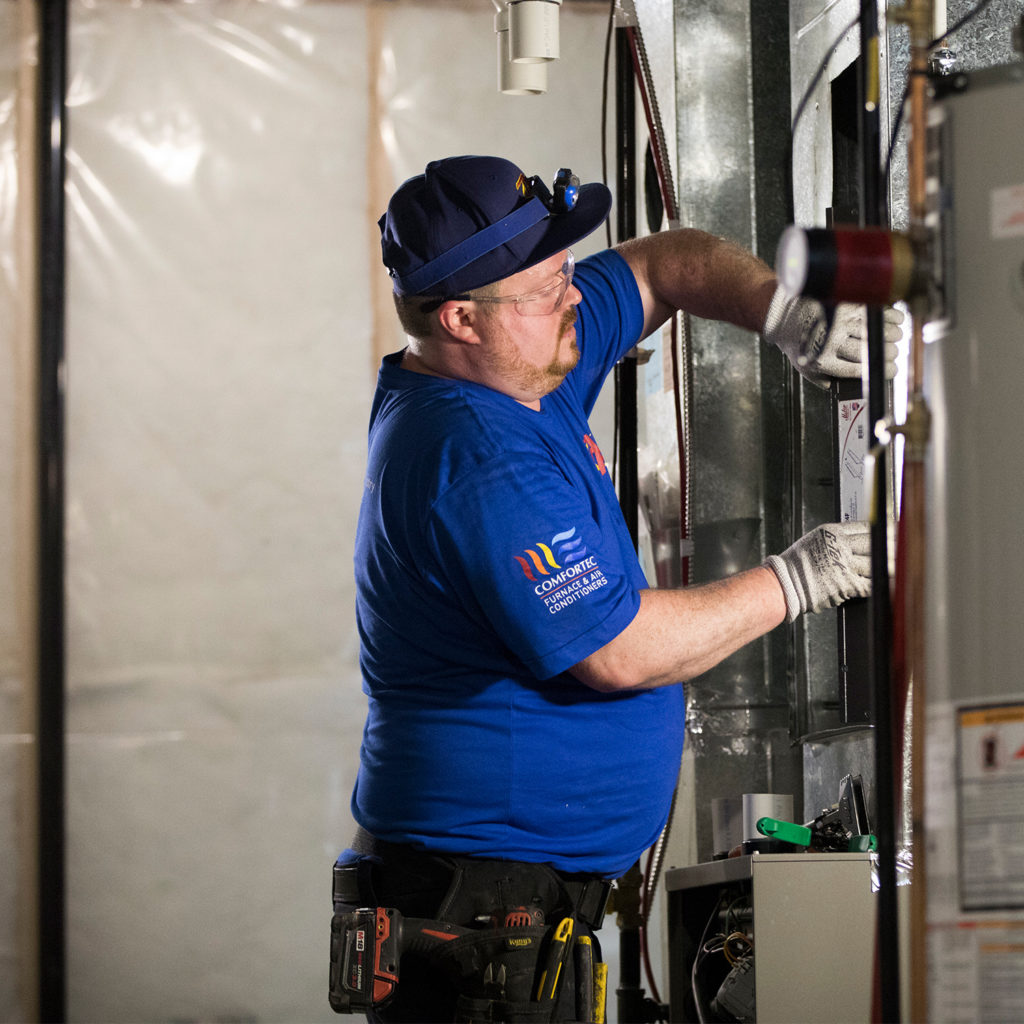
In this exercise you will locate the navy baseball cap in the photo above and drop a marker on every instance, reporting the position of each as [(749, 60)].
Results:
[(470, 220)]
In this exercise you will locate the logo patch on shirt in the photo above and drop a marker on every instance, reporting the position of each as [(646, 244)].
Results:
[(595, 454), (561, 570)]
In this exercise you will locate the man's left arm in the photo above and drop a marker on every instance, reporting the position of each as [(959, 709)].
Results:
[(717, 279)]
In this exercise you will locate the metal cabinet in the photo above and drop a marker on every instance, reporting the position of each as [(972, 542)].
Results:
[(791, 937)]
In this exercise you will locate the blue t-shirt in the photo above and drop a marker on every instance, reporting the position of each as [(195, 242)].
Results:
[(491, 556)]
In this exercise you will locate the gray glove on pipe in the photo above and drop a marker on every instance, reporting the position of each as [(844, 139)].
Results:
[(797, 327), (825, 567)]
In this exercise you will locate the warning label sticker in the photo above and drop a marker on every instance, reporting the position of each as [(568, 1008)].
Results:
[(991, 805)]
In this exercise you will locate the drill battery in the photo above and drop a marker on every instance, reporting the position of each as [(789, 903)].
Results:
[(364, 958)]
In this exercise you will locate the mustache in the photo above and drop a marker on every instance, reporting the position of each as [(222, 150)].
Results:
[(568, 319)]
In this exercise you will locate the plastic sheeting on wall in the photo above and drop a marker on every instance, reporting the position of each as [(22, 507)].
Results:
[(215, 415), (226, 166), (16, 362)]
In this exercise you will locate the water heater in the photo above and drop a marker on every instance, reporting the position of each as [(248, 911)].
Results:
[(974, 382)]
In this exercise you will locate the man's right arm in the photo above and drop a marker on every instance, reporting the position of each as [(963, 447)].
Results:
[(698, 272), (717, 279)]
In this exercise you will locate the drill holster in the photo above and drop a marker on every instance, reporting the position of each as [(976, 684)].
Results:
[(503, 939)]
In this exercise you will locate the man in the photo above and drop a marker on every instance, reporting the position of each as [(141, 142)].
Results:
[(526, 716)]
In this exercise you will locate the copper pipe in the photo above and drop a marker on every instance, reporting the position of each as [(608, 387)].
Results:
[(921, 19)]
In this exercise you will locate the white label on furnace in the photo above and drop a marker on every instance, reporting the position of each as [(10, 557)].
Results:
[(1008, 212), (853, 450)]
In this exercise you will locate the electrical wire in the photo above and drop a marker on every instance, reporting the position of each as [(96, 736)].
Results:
[(605, 80), (897, 124), (812, 85), (646, 902), (723, 943), (898, 121), (737, 958), (698, 959), (718, 943)]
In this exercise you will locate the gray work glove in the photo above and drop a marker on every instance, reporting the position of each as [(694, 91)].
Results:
[(825, 567), (797, 327)]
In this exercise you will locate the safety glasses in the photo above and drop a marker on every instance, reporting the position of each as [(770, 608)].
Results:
[(543, 301)]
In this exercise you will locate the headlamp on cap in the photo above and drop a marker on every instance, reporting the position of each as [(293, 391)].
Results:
[(470, 220), (566, 191), (541, 204)]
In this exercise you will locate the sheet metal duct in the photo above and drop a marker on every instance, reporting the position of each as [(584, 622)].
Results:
[(731, 147), (771, 717)]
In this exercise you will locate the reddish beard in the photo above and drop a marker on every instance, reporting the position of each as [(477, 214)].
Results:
[(568, 319)]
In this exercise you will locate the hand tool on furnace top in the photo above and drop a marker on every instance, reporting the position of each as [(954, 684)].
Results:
[(841, 828)]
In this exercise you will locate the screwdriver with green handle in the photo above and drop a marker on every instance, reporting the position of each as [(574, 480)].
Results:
[(801, 835)]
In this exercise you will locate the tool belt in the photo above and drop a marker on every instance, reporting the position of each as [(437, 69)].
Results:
[(514, 940)]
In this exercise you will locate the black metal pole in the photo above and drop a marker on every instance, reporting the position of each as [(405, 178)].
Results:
[(50, 654), (630, 996), (874, 214), (626, 193)]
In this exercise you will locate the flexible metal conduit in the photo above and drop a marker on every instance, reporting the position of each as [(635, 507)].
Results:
[(663, 167), (680, 340)]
